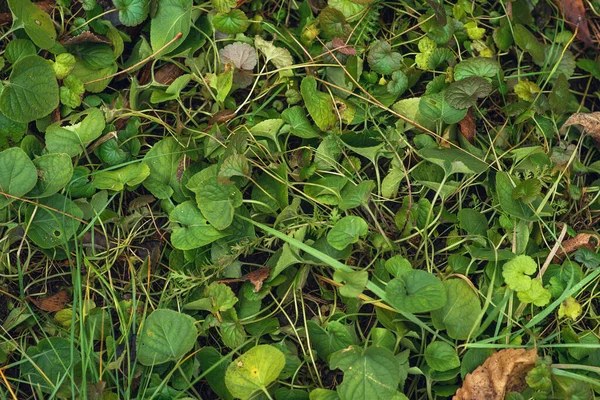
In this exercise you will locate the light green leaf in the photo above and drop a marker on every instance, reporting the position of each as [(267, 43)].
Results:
[(19, 48), (279, 56), (440, 356), (63, 65), (513, 207), (163, 159), (37, 23), (132, 12), (54, 172), (527, 190), (354, 282), (347, 231), (191, 229), (73, 139), (371, 373), (167, 335), (115, 180), (526, 90), (50, 228), (460, 314), (319, 105), (464, 93), (536, 294), (220, 298), (31, 91), (334, 337), (218, 201), (528, 43), (299, 124), (355, 195), (71, 91), (382, 59), (478, 66), (232, 22), (224, 6), (18, 175), (254, 370), (515, 272), (454, 160), (416, 291), (435, 108), (172, 17)]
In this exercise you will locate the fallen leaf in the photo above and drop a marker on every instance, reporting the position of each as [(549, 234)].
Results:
[(257, 278), (590, 122), (570, 245), (467, 126), (574, 13), (55, 302), (503, 372), (342, 47), (84, 37), (167, 74)]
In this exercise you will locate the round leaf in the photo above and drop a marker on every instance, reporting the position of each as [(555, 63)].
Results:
[(254, 370), (19, 48), (37, 23), (132, 12), (172, 17), (461, 313), (167, 336), (382, 59), (416, 291), (464, 93), (435, 108), (347, 231), (235, 21), (55, 221), (17, 175), (192, 230), (31, 92), (440, 356), (54, 172), (478, 66)]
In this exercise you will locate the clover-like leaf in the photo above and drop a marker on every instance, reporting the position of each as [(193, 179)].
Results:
[(536, 294), (382, 59), (516, 271), (464, 93), (132, 12), (235, 21)]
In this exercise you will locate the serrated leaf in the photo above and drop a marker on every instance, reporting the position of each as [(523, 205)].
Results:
[(526, 90), (516, 272), (299, 124), (398, 84), (279, 56), (333, 23), (347, 231), (217, 201), (535, 294), (224, 6), (241, 55), (464, 93), (19, 48), (319, 105), (191, 230), (31, 91), (382, 59), (527, 190), (515, 208), (232, 22), (132, 12), (478, 66)]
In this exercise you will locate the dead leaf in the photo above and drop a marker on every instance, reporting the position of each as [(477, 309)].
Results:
[(579, 241), (467, 126), (84, 37), (167, 74), (590, 122), (574, 13), (503, 372), (342, 47), (55, 302), (220, 117), (257, 278)]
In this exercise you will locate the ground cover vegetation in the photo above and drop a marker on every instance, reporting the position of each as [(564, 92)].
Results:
[(285, 199)]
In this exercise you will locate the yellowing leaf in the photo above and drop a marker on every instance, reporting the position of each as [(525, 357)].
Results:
[(280, 57), (526, 90), (319, 105), (569, 308), (254, 371)]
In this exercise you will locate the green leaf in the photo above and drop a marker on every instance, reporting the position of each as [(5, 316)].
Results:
[(299, 124), (347, 231), (478, 66), (527, 190), (354, 282), (319, 105), (464, 93), (454, 160), (11, 132), (559, 97), (209, 357), (166, 335), (356, 195), (515, 272), (382, 59), (172, 17), (164, 159), (19, 48), (191, 230), (54, 221), (132, 12), (73, 139), (115, 180), (71, 91), (233, 22), (87, 74), (54, 172), (503, 37), (473, 222), (416, 291), (535, 294), (587, 257), (440, 356), (219, 298), (515, 208), (254, 370), (37, 23), (398, 84), (49, 362), (460, 315), (333, 23), (224, 6), (435, 108), (371, 373), (280, 57), (31, 91), (334, 337), (527, 90), (528, 43), (18, 175), (217, 201)]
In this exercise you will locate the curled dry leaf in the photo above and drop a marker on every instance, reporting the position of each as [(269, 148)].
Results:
[(579, 241), (590, 122), (55, 302), (84, 37), (167, 74), (574, 13), (503, 372), (257, 278), (467, 126)]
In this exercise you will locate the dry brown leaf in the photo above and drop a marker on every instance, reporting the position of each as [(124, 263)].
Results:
[(590, 122), (503, 372), (53, 303), (467, 126), (167, 74), (84, 37), (581, 240), (574, 13), (257, 278)]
